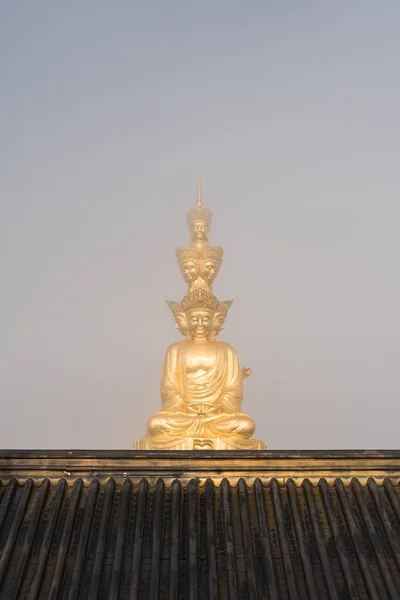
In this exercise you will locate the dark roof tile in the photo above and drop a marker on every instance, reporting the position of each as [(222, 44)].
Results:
[(152, 537)]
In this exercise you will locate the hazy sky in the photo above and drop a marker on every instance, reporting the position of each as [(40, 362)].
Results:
[(290, 113)]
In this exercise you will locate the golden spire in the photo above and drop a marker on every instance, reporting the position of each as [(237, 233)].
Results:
[(199, 200), (199, 220)]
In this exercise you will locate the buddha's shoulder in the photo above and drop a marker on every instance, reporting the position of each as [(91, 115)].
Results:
[(176, 346), (224, 345)]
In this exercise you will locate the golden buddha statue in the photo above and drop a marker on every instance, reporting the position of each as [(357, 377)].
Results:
[(202, 383)]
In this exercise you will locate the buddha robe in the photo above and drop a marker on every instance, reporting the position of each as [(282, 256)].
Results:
[(201, 402)]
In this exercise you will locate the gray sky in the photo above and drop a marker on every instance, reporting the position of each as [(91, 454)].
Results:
[(289, 111)]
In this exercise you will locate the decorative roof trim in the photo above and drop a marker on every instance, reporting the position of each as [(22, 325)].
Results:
[(231, 465)]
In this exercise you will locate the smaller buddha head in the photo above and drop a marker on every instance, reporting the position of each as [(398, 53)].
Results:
[(181, 323), (199, 264), (219, 318), (209, 270), (199, 220), (189, 270), (199, 231)]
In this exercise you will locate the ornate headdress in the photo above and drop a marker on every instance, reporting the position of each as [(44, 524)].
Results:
[(224, 306), (199, 212), (204, 253), (176, 307), (200, 299)]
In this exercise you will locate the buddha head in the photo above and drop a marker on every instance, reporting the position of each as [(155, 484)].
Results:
[(209, 270), (199, 264), (199, 220), (189, 270), (199, 231), (181, 323), (200, 306), (200, 323), (219, 318)]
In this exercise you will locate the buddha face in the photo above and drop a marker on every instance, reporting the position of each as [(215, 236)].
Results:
[(199, 231), (181, 324), (219, 321), (200, 323), (209, 270), (189, 270)]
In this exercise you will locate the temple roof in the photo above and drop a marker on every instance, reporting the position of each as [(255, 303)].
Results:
[(192, 525)]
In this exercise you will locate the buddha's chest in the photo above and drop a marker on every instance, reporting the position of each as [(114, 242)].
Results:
[(201, 357)]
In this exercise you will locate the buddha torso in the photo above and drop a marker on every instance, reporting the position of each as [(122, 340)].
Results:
[(201, 392), (200, 372), (200, 357), (202, 384)]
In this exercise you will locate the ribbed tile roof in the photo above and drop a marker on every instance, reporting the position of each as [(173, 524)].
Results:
[(159, 537)]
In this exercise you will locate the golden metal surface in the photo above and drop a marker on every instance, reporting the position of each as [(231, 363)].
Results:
[(202, 382)]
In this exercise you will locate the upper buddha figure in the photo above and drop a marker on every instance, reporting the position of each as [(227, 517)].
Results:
[(199, 221), (202, 382), (199, 263)]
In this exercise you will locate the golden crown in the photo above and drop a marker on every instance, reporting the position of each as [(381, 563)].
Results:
[(224, 306), (176, 307), (200, 299), (199, 213), (202, 253)]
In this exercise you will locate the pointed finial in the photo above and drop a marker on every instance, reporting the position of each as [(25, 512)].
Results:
[(199, 212), (199, 201)]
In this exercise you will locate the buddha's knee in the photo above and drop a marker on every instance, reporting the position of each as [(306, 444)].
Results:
[(246, 425), (156, 424)]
